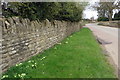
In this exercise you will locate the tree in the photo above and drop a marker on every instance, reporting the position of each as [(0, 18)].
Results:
[(69, 11), (105, 9)]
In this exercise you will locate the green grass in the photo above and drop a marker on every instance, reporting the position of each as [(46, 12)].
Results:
[(78, 56)]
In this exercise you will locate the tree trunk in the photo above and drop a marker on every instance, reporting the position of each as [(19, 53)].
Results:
[(110, 15)]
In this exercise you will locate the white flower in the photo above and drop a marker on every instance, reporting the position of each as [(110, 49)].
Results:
[(35, 63)]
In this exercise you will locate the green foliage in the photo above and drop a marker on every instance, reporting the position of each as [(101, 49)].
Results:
[(69, 11), (103, 19)]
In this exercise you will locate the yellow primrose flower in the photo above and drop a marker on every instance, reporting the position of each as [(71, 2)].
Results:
[(67, 38), (16, 65), (43, 58), (33, 65), (19, 75), (70, 36), (55, 48), (59, 43), (29, 61), (15, 76), (20, 64), (23, 74), (5, 76), (66, 42)]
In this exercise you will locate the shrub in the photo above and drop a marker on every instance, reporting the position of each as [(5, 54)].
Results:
[(103, 19)]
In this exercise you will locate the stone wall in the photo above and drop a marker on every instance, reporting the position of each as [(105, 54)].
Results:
[(110, 24), (22, 38)]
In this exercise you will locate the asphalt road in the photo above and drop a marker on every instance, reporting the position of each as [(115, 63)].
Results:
[(109, 36)]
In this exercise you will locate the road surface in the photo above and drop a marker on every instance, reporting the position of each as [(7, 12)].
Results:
[(110, 36)]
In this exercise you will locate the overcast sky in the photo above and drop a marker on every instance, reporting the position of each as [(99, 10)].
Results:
[(88, 12)]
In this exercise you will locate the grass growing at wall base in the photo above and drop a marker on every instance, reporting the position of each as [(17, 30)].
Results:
[(78, 56)]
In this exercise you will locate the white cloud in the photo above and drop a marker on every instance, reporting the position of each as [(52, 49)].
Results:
[(89, 12)]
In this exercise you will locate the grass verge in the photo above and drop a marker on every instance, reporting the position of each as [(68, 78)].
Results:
[(78, 56)]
